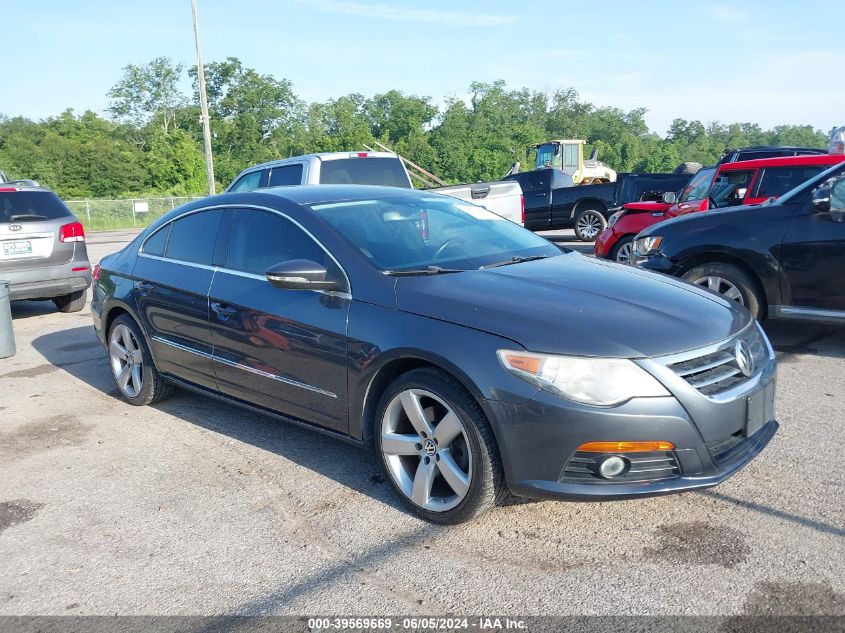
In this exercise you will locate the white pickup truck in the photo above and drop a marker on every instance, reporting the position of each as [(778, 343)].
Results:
[(374, 168)]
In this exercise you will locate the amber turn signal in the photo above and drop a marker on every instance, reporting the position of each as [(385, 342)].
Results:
[(626, 447)]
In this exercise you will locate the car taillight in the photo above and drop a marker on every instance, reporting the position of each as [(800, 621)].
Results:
[(72, 232), (522, 204), (95, 273)]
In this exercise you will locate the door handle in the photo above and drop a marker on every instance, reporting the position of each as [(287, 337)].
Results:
[(223, 311), (143, 287)]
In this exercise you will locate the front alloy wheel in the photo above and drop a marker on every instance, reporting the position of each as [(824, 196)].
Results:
[(721, 286), (425, 447), (437, 448)]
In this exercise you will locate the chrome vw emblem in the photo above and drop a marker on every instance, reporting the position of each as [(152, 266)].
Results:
[(430, 447), (15, 227), (744, 358)]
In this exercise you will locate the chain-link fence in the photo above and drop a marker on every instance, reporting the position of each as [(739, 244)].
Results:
[(102, 215)]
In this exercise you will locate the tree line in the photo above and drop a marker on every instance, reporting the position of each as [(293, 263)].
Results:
[(151, 141)]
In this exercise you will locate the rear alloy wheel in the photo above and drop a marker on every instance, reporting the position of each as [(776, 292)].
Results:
[(437, 448), (74, 302), (131, 365), (729, 281), (624, 249), (588, 225)]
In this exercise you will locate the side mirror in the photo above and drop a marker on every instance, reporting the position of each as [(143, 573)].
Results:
[(299, 274), (821, 199), (670, 197)]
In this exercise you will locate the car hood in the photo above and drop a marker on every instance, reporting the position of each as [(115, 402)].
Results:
[(576, 305)]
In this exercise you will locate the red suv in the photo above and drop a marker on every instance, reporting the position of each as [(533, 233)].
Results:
[(726, 185)]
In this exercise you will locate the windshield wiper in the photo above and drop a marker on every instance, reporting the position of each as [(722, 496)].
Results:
[(27, 216), (515, 260), (428, 270)]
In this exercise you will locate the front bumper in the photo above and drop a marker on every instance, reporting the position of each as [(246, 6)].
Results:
[(657, 263), (713, 439), (604, 243)]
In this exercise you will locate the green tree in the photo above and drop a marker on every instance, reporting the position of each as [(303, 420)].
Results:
[(149, 94)]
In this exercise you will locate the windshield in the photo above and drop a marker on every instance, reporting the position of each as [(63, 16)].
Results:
[(699, 186), (411, 232), (386, 172), (795, 192)]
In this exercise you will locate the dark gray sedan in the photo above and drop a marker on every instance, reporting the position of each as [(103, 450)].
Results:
[(473, 356)]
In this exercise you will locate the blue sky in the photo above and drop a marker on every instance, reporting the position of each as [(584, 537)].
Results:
[(769, 61)]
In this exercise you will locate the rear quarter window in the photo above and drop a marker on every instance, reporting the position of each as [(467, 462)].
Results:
[(31, 206)]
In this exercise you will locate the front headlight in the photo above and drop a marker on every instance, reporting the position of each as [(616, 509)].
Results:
[(613, 219), (647, 245), (601, 382)]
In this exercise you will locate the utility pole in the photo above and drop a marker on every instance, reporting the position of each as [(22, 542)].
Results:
[(206, 124)]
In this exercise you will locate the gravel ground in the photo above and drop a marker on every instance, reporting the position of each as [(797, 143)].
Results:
[(193, 507)]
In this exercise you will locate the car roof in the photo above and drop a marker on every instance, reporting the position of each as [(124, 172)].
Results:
[(806, 160), (23, 185)]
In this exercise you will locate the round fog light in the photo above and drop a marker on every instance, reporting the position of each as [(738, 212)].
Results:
[(613, 467)]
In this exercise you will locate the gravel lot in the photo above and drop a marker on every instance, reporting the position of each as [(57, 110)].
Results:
[(193, 507)]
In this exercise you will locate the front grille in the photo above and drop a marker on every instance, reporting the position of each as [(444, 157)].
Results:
[(717, 372), (583, 467)]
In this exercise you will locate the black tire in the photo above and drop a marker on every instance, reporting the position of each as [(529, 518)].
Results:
[(74, 302), (586, 222), (748, 287), (487, 486), (614, 254), (153, 387)]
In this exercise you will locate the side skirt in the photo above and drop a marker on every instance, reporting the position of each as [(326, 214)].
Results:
[(262, 411)]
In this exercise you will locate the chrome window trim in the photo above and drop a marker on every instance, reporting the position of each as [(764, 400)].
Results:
[(141, 253), (796, 311), (252, 370), (179, 261)]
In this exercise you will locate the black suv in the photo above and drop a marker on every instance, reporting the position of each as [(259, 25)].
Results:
[(780, 260), (766, 151)]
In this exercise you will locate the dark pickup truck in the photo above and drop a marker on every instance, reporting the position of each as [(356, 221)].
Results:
[(553, 202)]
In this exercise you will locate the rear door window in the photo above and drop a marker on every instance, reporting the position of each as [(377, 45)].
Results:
[(286, 176), (31, 206), (776, 181), (386, 172), (192, 238)]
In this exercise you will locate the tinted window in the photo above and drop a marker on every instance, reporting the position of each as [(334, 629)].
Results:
[(31, 206), (776, 181), (417, 231), (386, 172), (192, 238), (156, 242), (285, 176), (248, 182), (534, 179), (698, 187), (260, 239)]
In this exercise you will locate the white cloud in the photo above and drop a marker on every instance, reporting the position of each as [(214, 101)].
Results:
[(387, 12)]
